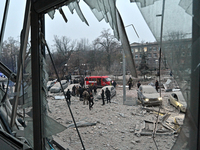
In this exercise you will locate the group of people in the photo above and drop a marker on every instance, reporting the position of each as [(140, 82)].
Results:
[(88, 98), (86, 95), (107, 93)]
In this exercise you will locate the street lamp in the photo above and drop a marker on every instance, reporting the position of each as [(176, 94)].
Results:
[(84, 68)]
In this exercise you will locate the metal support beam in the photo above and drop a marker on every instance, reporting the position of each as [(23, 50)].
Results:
[(194, 109), (36, 80), (43, 6), (23, 46), (4, 24)]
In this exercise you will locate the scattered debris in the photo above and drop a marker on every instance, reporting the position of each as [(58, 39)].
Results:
[(81, 124), (148, 109)]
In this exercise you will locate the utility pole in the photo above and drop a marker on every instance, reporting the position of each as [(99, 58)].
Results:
[(124, 78)]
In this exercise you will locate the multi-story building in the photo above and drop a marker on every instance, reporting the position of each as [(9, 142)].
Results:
[(150, 49), (177, 51)]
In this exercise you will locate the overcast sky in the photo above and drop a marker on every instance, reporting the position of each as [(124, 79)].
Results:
[(75, 28)]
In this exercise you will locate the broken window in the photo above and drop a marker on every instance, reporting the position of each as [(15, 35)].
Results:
[(175, 37), (149, 55), (155, 55)]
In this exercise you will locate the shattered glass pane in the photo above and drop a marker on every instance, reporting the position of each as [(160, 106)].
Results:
[(144, 3), (107, 9), (52, 127), (75, 5), (51, 13), (187, 5), (176, 44)]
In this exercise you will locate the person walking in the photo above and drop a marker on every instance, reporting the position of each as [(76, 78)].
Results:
[(80, 92), (95, 89), (68, 94), (73, 90), (91, 103), (107, 92), (130, 83), (102, 96), (157, 85), (85, 97), (114, 83), (138, 84)]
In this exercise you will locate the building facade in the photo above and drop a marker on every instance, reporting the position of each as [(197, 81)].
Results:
[(151, 50)]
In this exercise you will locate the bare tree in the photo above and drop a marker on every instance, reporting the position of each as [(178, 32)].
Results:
[(108, 43), (64, 47), (176, 50), (143, 67), (10, 52)]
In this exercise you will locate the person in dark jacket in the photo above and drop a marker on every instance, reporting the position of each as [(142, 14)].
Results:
[(95, 89), (102, 96), (157, 85), (68, 94), (114, 84), (91, 103), (81, 92), (107, 92), (130, 83), (138, 84), (73, 90)]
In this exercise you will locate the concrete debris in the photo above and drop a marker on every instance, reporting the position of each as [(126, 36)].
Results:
[(81, 124), (148, 109), (115, 125), (122, 115)]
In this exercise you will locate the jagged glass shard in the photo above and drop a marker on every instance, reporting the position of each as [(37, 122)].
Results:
[(75, 5), (144, 3), (186, 5), (52, 127), (107, 10), (176, 42), (28, 131), (51, 14)]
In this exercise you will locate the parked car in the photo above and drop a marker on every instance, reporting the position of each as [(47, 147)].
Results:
[(57, 88), (50, 84), (112, 91), (148, 96), (177, 100)]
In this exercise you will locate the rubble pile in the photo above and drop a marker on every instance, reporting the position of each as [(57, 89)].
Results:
[(117, 126)]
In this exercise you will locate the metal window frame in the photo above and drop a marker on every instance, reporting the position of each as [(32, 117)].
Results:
[(38, 10)]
